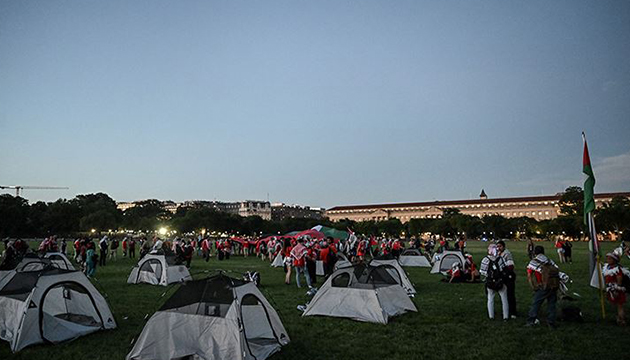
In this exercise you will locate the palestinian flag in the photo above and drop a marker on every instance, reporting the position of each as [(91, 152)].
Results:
[(589, 207), (589, 183)]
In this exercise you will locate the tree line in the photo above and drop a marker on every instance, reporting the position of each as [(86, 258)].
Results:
[(99, 213)]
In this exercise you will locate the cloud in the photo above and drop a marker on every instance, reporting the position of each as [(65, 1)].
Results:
[(612, 173)]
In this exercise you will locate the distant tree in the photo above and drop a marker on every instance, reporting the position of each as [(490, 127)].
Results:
[(572, 202), (614, 215), (14, 213)]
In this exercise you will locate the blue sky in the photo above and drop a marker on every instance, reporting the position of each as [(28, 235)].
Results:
[(321, 103)]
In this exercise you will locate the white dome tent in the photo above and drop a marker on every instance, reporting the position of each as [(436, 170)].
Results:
[(362, 293), (444, 261), (413, 258), (394, 269), (50, 306), (158, 270), (215, 318)]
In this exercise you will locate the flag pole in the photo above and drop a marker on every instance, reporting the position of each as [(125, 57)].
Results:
[(589, 195), (593, 233)]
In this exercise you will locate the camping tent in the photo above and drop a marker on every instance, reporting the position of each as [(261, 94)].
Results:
[(59, 260), (342, 261), (445, 260), (158, 270), (50, 305), (413, 257), (215, 318), (278, 261), (361, 292), (397, 272)]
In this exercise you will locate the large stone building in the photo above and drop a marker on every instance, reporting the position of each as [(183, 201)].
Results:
[(537, 207), (242, 208), (281, 211)]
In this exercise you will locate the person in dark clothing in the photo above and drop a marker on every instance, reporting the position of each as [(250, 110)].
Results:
[(510, 277), (104, 246), (568, 248)]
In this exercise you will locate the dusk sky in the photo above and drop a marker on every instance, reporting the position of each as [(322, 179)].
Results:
[(320, 103)]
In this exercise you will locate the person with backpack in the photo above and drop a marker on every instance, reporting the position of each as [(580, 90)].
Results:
[(615, 276), (510, 276), (493, 268), (544, 278)]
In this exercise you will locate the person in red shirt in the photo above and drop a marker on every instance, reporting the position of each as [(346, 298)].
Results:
[(205, 249), (560, 248), (245, 248), (615, 291), (396, 247), (324, 256), (534, 277)]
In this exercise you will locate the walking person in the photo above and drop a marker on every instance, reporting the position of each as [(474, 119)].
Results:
[(492, 268), (510, 276), (103, 245), (544, 278), (613, 274), (298, 254), (530, 249)]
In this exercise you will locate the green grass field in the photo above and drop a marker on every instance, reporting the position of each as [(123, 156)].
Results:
[(451, 322)]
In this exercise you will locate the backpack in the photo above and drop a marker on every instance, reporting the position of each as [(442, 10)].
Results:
[(550, 276), (494, 280)]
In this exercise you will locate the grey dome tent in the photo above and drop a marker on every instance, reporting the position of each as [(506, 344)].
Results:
[(342, 261), (445, 260), (59, 260), (413, 258), (397, 272), (215, 318), (362, 293), (32, 262), (158, 270), (50, 306)]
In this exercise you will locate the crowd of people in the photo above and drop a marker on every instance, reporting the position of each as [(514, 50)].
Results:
[(299, 256)]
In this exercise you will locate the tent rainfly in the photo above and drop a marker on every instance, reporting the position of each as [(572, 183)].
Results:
[(158, 270), (362, 293), (413, 258), (445, 260), (50, 306), (215, 318)]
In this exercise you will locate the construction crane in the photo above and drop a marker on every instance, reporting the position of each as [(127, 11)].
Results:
[(19, 188)]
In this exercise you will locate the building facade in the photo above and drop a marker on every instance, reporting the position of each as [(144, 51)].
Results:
[(536, 207), (281, 211)]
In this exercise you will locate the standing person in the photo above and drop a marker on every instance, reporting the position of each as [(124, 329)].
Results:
[(615, 291), (205, 249), (493, 268), (324, 256), (63, 246), (560, 249), (298, 255), (103, 245), (132, 248), (568, 250), (189, 250), (286, 249), (510, 276), (311, 262), (245, 247), (124, 246), (544, 278), (113, 254), (90, 261)]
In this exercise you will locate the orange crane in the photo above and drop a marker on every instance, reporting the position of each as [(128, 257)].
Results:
[(19, 188)]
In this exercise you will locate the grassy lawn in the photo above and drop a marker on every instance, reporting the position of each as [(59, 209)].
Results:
[(451, 322)]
